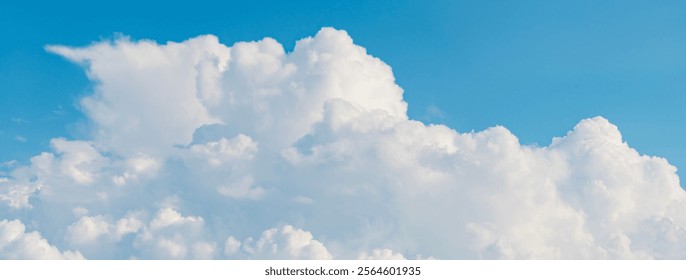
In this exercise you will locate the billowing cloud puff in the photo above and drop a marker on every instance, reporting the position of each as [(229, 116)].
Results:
[(280, 243), (16, 243), (202, 150)]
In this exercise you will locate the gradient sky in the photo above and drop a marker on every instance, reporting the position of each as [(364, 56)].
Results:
[(536, 67)]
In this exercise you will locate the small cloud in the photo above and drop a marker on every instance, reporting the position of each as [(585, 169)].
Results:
[(381, 254), (79, 211), (433, 110), (243, 189), (303, 199), (20, 138), (17, 243), (19, 120), (9, 163), (286, 242), (60, 111), (434, 113)]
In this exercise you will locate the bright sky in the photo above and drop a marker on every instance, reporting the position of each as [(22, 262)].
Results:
[(536, 67), (127, 133)]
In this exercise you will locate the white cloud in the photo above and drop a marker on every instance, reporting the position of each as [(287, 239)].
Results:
[(167, 217), (381, 254), (96, 230), (242, 189), (285, 242), (239, 148), (135, 167), (16, 243), (171, 235), (231, 246), (19, 120), (247, 137), (88, 229), (16, 195), (9, 163), (136, 80), (79, 160), (166, 235)]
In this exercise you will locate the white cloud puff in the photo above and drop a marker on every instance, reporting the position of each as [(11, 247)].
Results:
[(97, 229), (16, 243), (285, 242), (166, 235), (197, 146), (171, 235), (381, 254)]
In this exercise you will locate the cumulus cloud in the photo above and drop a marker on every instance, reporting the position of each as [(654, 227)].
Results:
[(202, 150), (171, 235), (97, 229), (167, 234), (285, 242), (16, 243)]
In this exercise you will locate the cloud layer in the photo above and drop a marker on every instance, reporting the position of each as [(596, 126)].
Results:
[(201, 150)]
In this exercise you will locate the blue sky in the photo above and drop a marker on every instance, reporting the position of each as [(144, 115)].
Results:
[(536, 67)]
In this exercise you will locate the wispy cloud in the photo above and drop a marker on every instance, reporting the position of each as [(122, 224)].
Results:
[(17, 120)]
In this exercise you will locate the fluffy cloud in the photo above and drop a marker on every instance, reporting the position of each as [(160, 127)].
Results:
[(16, 243), (198, 147), (173, 236), (130, 108), (167, 234), (278, 243)]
